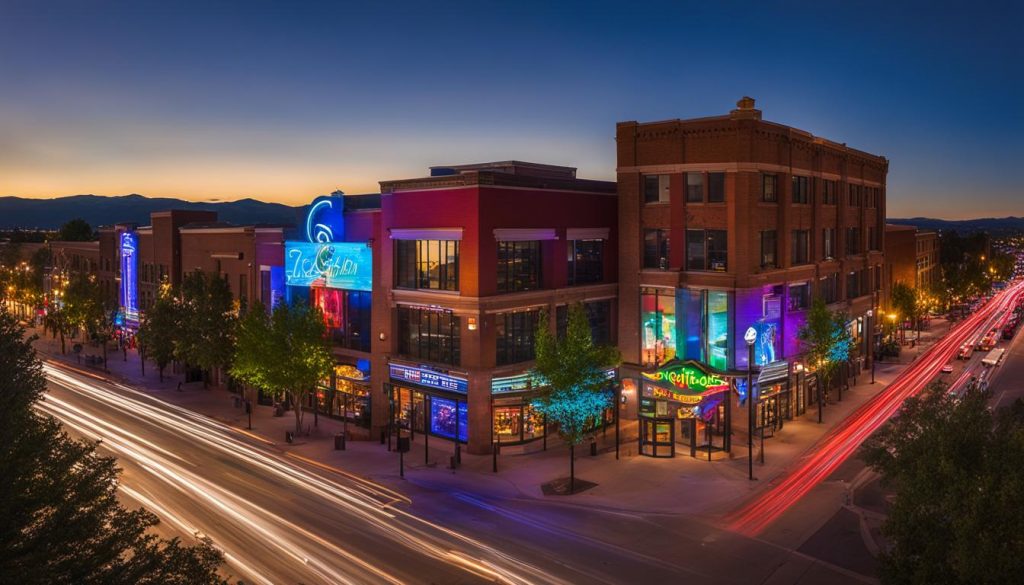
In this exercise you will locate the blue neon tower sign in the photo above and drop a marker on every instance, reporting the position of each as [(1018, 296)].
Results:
[(129, 276)]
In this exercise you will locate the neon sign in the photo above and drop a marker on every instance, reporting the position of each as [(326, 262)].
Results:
[(325, 220), (345, 265), (129, 281), (428, 378)]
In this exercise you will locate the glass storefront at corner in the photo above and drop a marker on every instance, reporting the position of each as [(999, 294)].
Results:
[(425, 400), (684, 404)]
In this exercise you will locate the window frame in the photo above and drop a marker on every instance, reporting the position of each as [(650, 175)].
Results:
[(519, 275), (663, 189), (661, 245), (773, 180)]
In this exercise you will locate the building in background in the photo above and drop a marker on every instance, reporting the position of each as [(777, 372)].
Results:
[(911, 257), (731, 222)]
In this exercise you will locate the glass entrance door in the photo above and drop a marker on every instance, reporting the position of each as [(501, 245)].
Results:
[(657, 437)]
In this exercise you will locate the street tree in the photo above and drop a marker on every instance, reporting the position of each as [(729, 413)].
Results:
[(159, 329), (574, 369), (207, 319), (285, 352), (60, 517), (76, 230), (905, 302), (826, 343), (957, 470)]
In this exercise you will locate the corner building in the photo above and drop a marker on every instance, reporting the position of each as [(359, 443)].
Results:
[(731, 222), (469, 257)]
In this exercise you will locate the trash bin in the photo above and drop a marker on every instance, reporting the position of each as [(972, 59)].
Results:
[(403, 444), (593, 449), (289, 437), (339, 442)]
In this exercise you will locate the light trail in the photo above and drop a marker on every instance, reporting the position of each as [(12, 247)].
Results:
[(370, 503), (843, 441)]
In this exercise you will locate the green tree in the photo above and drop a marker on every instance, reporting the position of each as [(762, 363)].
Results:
[(60, 519), (957, 469), (76, 230), (207, 322), (159, 329), (577, 388), (285, 352), (905, 302), (826, 343)]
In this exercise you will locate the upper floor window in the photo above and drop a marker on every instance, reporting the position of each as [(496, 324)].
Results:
[(706, 250), (828, 240), (828, 192), (586, 261), (828, 288), (799, 296), (347, 316), (854, 283), (428, 264), (429, 334), (873, 243), (656, 249), (716, 187), (769, 188), (694, 187), (855, 191), (853, 242), (519, 266), (514, 334), (801, 247), (801, 190), (769, 249), (656, 189)]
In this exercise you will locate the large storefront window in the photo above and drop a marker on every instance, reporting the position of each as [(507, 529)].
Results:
[(427, 264), (718, 329), (347, 316), (586, 261), (704, 326), (517, 423), (429, 334), (449, 418), (657, 325), (514, 336), (519, 266)]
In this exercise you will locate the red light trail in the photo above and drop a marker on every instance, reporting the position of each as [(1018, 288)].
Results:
[(842, 441)]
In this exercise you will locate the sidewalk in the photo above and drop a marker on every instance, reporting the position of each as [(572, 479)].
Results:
[(634, 483)]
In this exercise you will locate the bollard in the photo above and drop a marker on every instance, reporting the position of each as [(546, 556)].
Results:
[(458, 454), (339, 442), (593, 448), (494, 454)]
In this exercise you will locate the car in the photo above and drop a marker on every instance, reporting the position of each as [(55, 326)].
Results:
[(966, 352), (947, 369)]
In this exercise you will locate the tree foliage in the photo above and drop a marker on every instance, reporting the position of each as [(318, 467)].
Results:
[(826, 341), (206, 322), (284, 352), (60, 520), (957, 469), (160, 327), (76, 230)]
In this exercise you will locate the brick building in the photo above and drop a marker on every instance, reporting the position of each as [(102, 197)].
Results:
[(731, 222)]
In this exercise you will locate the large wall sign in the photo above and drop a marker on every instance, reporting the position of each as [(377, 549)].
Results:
[(428, 378), (129, 276), (347, 265), (325, 220), (685, 383)]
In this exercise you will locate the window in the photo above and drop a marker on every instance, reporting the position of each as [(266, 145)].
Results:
[(599, 316), (828, 192), (694, 187), (586, 261), (801, 190), (657, 325), (769, 188), (854, 195), (853, 240), (346, 315), (799, 296), (873, 238), (514, 333), (656, 249), (828, 288), (769, 249), (801, 247), (427, 264), (854, 280), (706, 250), (828, 239), (656, 189), (519, 266), (716, 187), (429, 334), (873, 196)]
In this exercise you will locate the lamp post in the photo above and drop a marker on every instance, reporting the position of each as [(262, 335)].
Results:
[(750, 337), (871, 330)]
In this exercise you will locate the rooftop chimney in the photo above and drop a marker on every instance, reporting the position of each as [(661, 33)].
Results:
[(745, 110)]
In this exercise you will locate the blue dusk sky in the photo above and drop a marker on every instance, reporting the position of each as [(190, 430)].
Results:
[(282, 101)]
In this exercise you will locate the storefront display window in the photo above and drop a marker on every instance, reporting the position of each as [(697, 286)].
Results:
[(346, 314), (445, 422), (658, 325), (718, 329)]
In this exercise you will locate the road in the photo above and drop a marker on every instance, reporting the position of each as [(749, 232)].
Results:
[(843, 441), (279, 519)]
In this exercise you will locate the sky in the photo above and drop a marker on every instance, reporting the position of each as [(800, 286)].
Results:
[(282, 101)]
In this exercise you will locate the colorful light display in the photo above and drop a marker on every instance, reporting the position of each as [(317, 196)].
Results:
[(345, 265), (129, 277), (428, 378), (685, 383)]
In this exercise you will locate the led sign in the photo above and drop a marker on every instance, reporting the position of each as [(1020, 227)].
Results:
[(325, 220), (685, 383), (344, 265), (129, 279), (428, 378)]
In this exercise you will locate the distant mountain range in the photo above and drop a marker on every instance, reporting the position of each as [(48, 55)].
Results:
[(996, 226), (19, 212)]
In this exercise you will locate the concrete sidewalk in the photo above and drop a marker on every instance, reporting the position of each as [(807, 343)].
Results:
[(633, 483)]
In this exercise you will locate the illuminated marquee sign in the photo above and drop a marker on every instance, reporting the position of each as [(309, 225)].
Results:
[(325, 220), (428, 378), (129, 279), (685, 383), (528, 381), (345, 265)]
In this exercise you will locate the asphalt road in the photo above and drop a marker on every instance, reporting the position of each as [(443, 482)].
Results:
[(282, 520)]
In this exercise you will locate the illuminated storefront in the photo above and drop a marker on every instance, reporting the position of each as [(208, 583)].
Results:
[(426, 400), (129, 297), (515, 420), (687, 403)]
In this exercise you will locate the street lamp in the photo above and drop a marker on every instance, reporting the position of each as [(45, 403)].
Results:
[(750, 337), (874, 342)]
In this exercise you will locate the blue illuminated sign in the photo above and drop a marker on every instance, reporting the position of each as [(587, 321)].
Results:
[(129, 279), (325, 220), (345, 265), (428, 378), (767, 339), (448, 417)]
